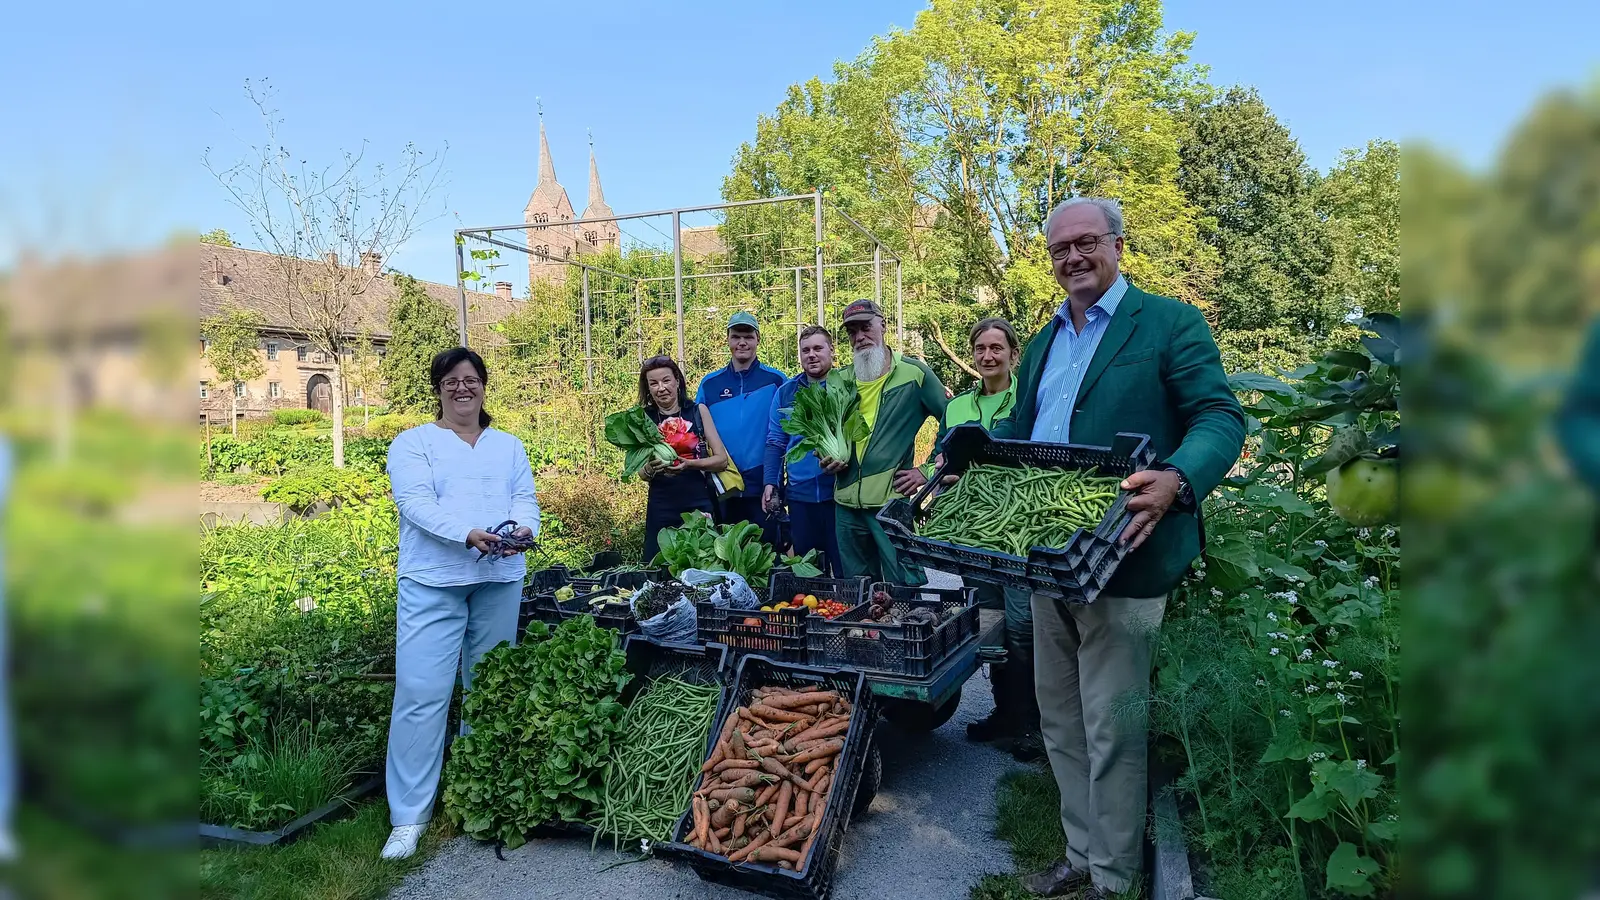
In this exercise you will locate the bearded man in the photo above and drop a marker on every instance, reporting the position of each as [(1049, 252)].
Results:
[(896, 395)]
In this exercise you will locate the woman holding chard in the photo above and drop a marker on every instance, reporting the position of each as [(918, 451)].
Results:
[(672, 444)]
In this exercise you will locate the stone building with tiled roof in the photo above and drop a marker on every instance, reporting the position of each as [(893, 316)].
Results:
[(298, 374)]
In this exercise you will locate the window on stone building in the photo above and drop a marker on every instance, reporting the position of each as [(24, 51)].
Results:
[(302, 353), (274, 390), (205, 390), (541, 217), (545, 249), (272, 350), (238, 389), (592, 237)]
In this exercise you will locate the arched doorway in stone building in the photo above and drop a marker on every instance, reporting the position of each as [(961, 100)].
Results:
[(319, 394)]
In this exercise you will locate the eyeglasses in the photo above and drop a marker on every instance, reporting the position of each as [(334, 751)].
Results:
[(1086, 245), (451, 384)]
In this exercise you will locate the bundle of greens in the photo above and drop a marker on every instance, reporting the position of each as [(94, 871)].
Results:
[(639, 438), (827, 420), (738, 548), (544, 716)]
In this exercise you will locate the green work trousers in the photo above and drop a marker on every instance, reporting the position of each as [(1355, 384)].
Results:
[(865, 550)]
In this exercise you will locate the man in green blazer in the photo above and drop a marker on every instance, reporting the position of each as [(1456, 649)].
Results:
[(1115, 358)]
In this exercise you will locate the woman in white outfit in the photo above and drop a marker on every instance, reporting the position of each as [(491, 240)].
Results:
[(452, 479)]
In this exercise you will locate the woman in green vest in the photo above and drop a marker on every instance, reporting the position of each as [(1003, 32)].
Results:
[(995, 351)]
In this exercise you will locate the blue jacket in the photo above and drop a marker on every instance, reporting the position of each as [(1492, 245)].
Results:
[(739, 404), (807, 482)]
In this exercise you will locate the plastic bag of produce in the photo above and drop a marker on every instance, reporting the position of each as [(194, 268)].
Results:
[(727, 588), (665, 614)]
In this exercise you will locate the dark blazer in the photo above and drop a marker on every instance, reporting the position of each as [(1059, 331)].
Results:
[(1157, 371)]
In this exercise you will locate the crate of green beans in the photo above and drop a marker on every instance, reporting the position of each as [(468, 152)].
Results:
[(671, 701), (1030, 514)]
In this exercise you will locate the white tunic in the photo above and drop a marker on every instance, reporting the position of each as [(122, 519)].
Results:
[(446, 487)]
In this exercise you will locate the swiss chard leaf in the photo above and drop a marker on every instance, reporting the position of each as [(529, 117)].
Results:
[(640, 440)]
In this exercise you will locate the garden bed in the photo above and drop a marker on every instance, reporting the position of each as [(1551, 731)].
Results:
[(218, 835)]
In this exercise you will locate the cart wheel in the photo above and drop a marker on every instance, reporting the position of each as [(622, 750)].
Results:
[(871, 780), (913, 716)]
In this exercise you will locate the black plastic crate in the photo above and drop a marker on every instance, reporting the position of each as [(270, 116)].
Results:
[(783, 585), (1077, 572), (814, 881), (538, 595), (614, 614), (633, 579), (648, 660), (912, 650), (781, 636)]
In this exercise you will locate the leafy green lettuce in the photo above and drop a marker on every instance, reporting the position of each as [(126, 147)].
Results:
[(639, 439), (827, 420)]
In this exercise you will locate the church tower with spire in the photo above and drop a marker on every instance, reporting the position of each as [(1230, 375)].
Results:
[(551, 240), (597, 235)]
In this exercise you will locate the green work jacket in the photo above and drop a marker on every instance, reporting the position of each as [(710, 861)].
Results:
[(912, 395)]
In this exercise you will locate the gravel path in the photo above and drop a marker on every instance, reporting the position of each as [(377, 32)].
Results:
[(929, 835)]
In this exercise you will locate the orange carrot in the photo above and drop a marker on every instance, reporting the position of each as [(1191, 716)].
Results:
[(770, 853), (782, 807), (756, 843), (727, 764), (772, 714), (821, 751)]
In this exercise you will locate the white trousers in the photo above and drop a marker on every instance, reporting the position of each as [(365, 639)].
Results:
[(440, 631)]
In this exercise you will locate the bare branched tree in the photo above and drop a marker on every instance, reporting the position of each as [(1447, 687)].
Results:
[(328, 229)]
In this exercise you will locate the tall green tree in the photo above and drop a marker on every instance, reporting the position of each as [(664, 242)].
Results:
[(419, 327), (1360, 200), (954, 139), (233, 349), (1246, 174), (218, 237)]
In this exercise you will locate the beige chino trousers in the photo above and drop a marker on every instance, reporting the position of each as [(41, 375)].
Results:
[(1092, 665)]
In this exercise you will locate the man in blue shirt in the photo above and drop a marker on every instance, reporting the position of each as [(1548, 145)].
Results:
[(739, 396), (810, 491)]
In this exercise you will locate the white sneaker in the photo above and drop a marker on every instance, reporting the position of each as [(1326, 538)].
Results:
[(403, 841)]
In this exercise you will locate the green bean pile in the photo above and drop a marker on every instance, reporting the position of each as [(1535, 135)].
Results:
[(1010, 509), (652, 768)]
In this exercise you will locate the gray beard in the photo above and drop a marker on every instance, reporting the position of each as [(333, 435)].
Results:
[(872, 363)]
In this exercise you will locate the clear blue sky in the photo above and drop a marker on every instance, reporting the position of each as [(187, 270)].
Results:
[(104, 151)]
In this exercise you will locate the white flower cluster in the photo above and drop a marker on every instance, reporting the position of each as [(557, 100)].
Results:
[(1320, 543), (1341, 697), (1354, 675), (1289, 597), (1284, 713), (1305, 655), (1372, 581), (1316, 757), (1312, 689), (1274, 651), (1277, 635), (1389, 532), (1261, 682), (1331, 685), (1216, 592), (1330, 664), (1361, 764), (1272, 617)]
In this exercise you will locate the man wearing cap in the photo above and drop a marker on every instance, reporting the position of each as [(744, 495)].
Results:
[(739, 396), (895, 394)]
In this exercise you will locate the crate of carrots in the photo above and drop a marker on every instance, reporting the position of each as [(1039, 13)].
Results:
[(775, 792), (1030, 514)]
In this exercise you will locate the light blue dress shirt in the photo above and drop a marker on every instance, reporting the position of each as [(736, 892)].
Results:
[(445, 487), (1067, 362)]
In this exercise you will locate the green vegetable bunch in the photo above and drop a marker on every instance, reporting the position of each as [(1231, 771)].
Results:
[(737, 548), (639, 439), (543, 718), (827, 420)]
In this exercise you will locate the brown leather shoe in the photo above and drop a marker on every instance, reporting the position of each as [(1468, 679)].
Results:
[(1056, 880)]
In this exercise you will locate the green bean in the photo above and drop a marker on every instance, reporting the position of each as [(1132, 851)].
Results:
[(648, 778)]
